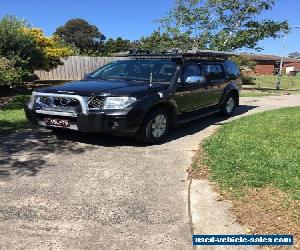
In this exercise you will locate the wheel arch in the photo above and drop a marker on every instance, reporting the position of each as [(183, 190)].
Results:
[(230, 89), (168, 106)]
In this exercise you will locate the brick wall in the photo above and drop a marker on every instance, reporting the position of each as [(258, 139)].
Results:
[(292, 64), (264, 68), (265, 65)]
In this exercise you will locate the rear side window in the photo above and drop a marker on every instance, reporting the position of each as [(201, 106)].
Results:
[(232, 69), (214, 71), (192, 69)]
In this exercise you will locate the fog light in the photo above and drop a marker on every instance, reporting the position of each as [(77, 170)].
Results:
[(115, 125)]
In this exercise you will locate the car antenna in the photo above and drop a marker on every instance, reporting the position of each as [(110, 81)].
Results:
[(150, 80)]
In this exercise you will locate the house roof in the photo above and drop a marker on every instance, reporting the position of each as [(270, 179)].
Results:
[(263, 57)]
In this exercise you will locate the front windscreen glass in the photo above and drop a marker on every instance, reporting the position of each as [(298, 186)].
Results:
[(137, 70)]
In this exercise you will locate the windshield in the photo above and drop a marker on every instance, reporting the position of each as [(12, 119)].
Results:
[(137, 70)]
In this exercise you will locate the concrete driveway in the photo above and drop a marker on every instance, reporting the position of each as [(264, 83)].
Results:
[(101, 192)]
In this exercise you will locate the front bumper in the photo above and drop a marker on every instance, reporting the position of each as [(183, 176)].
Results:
[(121, 122)]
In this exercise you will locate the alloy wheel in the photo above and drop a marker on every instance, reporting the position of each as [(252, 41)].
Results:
[(230, 105), (159, 126)]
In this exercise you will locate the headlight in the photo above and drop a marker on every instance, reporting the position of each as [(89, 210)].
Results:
[(31, 101), (118, 102)]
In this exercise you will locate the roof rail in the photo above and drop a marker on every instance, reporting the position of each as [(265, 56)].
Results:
[(177, 53)]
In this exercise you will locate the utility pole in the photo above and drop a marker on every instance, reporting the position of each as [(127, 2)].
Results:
[(282, 58), (281, 62)]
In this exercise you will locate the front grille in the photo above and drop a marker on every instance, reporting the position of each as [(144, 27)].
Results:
[(96, 102), (58, 104)]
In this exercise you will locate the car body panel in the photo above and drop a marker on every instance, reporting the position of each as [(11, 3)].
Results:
[(189, 98), (105, 87)]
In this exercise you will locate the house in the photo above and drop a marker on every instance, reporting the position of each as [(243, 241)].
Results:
[(292, 68), (270, 64)]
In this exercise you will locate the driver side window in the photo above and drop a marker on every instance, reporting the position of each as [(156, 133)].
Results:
[(191, 69)]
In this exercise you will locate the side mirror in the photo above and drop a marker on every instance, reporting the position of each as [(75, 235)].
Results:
[(87, 75), (195, 79)]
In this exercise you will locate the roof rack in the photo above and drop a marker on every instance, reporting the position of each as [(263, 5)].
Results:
[(177, 54)]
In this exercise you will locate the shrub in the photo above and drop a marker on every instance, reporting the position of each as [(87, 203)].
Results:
[(245, 63), (18, 46), (51, 49), (28, 49), (248, 80), (9, 76)]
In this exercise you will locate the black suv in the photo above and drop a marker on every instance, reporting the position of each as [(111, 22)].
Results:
[(141, 96)]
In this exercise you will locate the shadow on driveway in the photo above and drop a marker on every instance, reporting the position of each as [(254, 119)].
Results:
[(189, 128), (25, 153)]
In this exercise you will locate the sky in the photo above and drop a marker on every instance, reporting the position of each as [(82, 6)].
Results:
[(132, 19)]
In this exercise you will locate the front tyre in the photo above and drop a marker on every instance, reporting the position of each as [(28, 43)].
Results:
[(229, 105), (155, 127)]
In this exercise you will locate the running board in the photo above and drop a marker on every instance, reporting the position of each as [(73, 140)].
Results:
[(184, 118)]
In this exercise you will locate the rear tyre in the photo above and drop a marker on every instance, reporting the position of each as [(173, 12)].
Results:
[(154, 127), (229, 105)]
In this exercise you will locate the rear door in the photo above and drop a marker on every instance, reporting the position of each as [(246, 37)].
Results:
[(216, 78)]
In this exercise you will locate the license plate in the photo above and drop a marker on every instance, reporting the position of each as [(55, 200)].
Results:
[(57, 122)]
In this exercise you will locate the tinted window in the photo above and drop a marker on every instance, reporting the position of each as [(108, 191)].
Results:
[(232, 69), (214, 71), (139, 70), (190, 70)]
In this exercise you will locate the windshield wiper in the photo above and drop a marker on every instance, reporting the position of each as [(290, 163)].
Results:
[(101, 78), (131, 79), (111, 78)]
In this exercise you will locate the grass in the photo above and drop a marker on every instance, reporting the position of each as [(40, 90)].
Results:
[(12, 116), (258, 93), (255, 162), (248, 93), (258, 150), (287, 82)]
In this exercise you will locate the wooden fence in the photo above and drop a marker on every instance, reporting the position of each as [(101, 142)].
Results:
[(75, 67)]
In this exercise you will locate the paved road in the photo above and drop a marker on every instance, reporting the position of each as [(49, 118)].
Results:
[(102, 192)]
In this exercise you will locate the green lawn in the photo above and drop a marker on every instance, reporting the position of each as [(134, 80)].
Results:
[(257, 151), (258, 93), (12, 116), (287, 82)]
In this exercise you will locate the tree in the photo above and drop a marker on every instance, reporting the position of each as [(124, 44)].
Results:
[(52, 49), (80, 33), (159, 41), (113, 46), (221, 24), (18, 46), (27, 49), (295, 55)]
